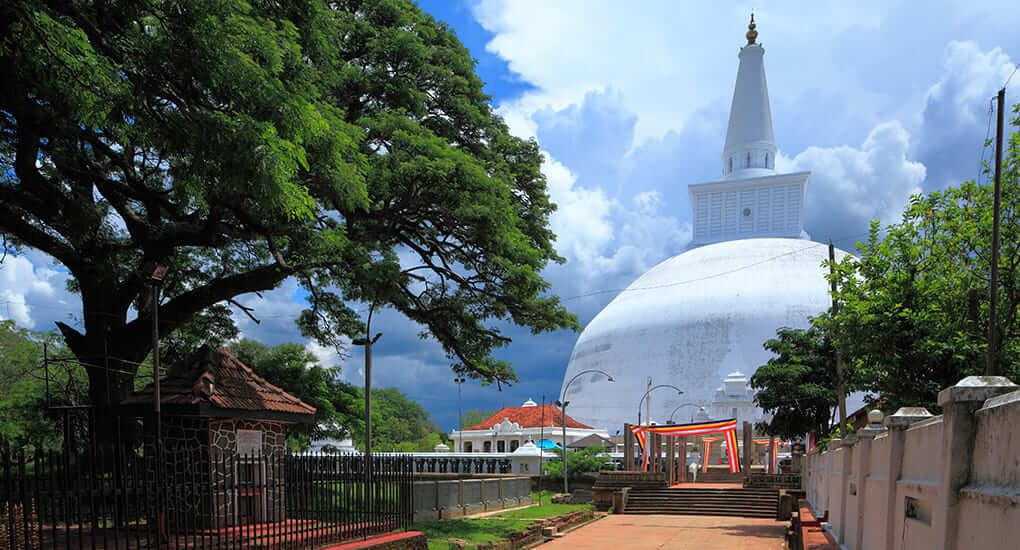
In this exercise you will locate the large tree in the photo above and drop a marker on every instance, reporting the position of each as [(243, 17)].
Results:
[(346, 144)]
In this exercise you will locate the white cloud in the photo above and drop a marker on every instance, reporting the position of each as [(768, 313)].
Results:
[(326, 355), (850, 186), (33, 295), (276, 310), (668, 58), (956, 116)]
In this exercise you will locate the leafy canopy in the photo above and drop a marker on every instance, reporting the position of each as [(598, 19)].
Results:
[(346, 144), (797, 386)]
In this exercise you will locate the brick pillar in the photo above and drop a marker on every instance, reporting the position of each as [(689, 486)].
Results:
[(772, 455), (657, 453), (670, 460), (747, 448), (958, 426), (897, 424), (628, 448)]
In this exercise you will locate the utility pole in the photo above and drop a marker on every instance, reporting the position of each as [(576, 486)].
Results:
[(541, 452), (992, 364), (648, 404), (563, 421), (154, 273), (460, 413), (840, 385), (368, 341)]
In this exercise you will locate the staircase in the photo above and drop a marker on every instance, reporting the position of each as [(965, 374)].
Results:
[(705, 501), (718, 475)]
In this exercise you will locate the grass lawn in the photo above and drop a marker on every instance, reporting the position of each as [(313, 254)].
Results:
[(492, 528), (469, 530), (543, 511)]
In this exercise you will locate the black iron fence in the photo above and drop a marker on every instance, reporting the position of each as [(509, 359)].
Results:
[(146, 498)]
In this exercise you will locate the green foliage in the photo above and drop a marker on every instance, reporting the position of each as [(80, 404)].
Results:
[(914, 303), (398, 424), (588, 459), (347, 144), (474, 417), (23, 418), (823, 443), (798, 385), (213, 326)]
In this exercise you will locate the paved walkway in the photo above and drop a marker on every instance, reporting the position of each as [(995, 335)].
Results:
[(640, 532)]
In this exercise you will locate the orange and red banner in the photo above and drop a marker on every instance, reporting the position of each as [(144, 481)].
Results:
[(726, 427)]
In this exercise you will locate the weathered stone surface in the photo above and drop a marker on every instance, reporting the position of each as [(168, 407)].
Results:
[(976, 388)]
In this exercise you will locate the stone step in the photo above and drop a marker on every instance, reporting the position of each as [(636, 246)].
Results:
[(705, 501), (635, 502), (720, 512)]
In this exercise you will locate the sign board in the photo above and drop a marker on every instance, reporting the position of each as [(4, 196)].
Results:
[(249, 443)]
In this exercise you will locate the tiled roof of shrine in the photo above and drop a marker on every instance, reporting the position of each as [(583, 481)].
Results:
[(217, 378)]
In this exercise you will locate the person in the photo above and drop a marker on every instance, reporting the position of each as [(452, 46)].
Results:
[(694, 467)]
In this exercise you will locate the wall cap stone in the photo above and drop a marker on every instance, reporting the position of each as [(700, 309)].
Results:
[(1004, 399), (870, 431), (849, 440), (976, 388), (906, 416)]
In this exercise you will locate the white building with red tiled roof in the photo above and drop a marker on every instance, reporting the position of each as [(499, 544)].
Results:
[(511, 427)]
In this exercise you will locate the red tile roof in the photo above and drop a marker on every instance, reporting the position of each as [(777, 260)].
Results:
[(530, 417), (215, 377)]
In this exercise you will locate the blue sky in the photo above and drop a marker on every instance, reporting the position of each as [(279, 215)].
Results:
[(629, 101)]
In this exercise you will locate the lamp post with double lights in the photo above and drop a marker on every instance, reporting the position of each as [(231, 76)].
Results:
[(678, 390), (672, 414), (643, 397), (562, 404)]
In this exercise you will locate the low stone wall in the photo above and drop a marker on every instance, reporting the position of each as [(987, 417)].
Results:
[(411, 540), (917, 481), (443, 496), (758, 480)]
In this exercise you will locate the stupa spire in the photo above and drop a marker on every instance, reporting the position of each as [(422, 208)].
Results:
[(751, 33), (750, 148)]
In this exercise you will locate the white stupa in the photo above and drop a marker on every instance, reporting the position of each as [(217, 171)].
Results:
[(700, 316)]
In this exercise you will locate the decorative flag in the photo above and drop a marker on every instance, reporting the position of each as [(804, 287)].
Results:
[(708, 452), (726, 427)]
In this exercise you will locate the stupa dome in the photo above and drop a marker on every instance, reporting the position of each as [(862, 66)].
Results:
[(691, 321)]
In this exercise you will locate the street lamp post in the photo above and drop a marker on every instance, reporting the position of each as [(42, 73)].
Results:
[(562, 403), (460, 414), (676, 409), (679, 392)]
